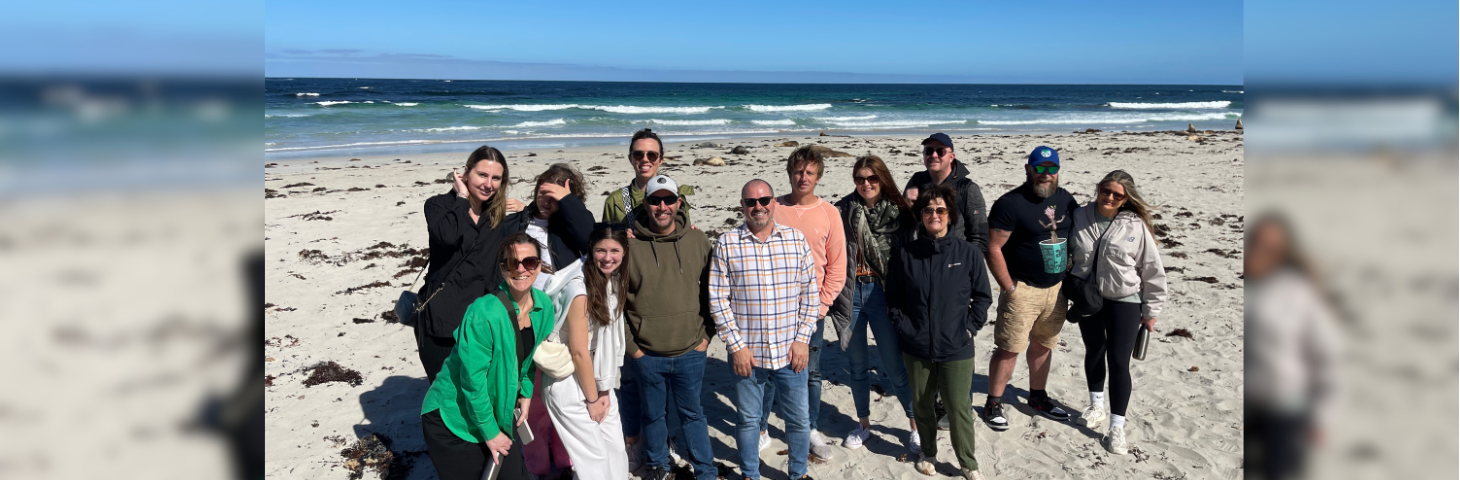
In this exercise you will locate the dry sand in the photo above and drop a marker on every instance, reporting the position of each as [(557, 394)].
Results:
[(1185, 416)]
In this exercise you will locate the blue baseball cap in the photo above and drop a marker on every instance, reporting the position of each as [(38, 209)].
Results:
[(941, 138), (1043, 154)]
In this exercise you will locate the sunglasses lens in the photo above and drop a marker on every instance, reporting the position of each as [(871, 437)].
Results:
[(531, 263)]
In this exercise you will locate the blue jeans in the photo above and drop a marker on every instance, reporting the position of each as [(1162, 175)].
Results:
[(869, 309), (750, 392), (630, 411), (682, 376), (813, 384)]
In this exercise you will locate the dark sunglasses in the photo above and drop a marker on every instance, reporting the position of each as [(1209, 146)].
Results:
[(934, 150), (937, 210), (750, 202), (510, 264), (640, 154), (1118, 196), (1049, 170), (861, 180), (655, 201)]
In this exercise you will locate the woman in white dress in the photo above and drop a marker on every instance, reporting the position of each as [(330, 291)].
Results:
[(590, 323)]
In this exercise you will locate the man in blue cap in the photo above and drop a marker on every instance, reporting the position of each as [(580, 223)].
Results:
[(1031, 310), (944, 168)]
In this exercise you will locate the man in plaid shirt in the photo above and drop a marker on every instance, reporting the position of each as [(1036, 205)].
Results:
[(763, 296)]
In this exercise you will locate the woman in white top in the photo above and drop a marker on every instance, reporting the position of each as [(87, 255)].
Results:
[(590, 323), (1112, 238)]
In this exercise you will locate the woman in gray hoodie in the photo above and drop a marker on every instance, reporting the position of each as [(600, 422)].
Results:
[(1113, 248)]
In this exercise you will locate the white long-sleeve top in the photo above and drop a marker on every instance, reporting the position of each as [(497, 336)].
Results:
[(1292, 346), (566, 285)]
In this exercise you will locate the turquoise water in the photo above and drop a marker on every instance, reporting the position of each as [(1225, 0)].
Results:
[(327, 117)]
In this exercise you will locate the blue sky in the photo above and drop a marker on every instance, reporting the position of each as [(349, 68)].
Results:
[(760, 41)]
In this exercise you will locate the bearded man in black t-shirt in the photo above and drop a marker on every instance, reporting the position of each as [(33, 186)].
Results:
[(1031, 309)]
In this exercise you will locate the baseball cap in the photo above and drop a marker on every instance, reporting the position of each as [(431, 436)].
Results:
[(661, 182), (1043, 154), (940, 137)]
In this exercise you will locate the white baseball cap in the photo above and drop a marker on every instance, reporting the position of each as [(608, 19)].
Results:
[(661, 182)]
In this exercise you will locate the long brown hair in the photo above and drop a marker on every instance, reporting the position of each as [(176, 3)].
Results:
[(496, 207), (598, 283), (1133, 200), (888, 187), (559, 173)]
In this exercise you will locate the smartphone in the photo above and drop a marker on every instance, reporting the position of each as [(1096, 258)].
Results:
[(524, 432)]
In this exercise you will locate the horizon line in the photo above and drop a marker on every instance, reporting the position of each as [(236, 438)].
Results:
[(755, 83)]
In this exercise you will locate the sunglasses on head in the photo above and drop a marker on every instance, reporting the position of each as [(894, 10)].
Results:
[(510, 264), (933, 210), (750, 202), (1048, 170), (655, 200), (934, 150), (866, 179), (1117, 196), (640, 154)]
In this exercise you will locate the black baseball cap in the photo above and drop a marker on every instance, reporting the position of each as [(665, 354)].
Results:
[(941, 138)]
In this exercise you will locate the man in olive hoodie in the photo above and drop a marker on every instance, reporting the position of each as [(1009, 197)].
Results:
[(669, 318)]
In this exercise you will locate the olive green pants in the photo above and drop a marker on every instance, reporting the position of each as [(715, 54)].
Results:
[(952, 381)]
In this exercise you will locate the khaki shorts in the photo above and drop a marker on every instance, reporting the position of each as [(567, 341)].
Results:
[(1029, 314)]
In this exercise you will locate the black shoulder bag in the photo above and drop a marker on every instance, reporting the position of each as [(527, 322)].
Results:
[(1084, 296), (409, 306)]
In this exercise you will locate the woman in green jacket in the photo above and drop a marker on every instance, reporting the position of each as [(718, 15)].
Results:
[(468, 416)]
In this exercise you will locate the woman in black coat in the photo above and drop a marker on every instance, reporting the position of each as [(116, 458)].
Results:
[(464, 229), (938, 296)]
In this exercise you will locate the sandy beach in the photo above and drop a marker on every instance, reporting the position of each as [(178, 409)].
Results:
[(341, 235)]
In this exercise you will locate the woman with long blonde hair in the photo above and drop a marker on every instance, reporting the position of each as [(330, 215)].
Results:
[(1115, 250)]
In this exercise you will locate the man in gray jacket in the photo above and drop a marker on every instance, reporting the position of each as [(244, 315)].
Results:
[(943, 167)]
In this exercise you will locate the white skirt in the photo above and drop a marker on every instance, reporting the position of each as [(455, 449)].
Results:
[(597, 449)]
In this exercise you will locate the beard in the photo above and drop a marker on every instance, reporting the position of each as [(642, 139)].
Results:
[(1044, 190)]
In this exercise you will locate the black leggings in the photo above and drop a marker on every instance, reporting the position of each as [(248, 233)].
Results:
[(433, 352), (457, 459), (1110, 336)]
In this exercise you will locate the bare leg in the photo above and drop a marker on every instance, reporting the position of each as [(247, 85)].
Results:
[(1038, 358), (1001, 368)]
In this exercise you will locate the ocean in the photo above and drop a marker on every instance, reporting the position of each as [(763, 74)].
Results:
[(309, 117)]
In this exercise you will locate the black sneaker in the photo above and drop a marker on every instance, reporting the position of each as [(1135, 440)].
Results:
[(1046, 407), (993, 415), (656, 472)]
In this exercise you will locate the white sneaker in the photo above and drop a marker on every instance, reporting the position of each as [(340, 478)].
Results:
[(819, 446), (1115, 441), (1093, 416), (972, 475), (765, 440), (915, 443), (858, 436), (925, 465)]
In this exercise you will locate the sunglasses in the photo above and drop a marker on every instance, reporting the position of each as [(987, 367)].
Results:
[(750, 202), (861, 180), (934, 150), (655, 201), (1047, 170), (1117, 196), (510, 264), (933, 210), (640, 154)]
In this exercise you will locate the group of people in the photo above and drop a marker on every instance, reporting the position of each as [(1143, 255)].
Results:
[(554, 340)]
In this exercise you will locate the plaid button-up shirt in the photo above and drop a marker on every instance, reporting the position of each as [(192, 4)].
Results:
[(763, 294)]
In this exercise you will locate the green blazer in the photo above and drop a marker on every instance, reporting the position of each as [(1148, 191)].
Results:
[(478, 386)]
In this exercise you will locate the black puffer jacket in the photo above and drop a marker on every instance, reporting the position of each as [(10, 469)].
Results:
[(938, 296), (568, 230), (975, 222)]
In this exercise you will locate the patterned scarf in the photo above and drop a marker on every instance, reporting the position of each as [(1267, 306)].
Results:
[(875, 227)]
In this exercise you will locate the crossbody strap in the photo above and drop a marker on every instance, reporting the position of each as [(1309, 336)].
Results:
[(1095, 262), (628, 209)]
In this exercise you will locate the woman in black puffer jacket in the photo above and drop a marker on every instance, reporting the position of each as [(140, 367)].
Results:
[(938, 297)]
